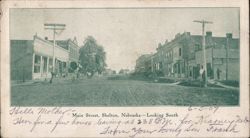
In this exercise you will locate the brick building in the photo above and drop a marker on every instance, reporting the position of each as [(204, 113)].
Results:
[(222, 57), (172, 57), (72, 47), (182, 57), (73, 50)]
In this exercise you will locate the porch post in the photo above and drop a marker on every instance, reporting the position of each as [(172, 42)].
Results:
[(33, 64), (41, 65)]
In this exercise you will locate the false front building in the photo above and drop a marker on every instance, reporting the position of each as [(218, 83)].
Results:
[(33, 59)]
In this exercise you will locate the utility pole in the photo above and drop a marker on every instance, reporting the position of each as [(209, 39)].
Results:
[(227, 49), (203, 22), (54, 27)]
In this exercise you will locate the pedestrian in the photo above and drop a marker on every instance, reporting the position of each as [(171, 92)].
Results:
[(52, 76), (218, 73), (77, 72), (202, 76)]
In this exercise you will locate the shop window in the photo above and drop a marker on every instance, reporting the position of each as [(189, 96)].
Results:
[(179, 68), (64, 64), (45, 64), (209, 70), (175, 68), (160, 65), (37, 59), (182, 68), (37, 64), (36, 69)]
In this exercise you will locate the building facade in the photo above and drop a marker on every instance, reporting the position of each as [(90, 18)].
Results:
[(72, 47), (222, 57), (73, 50), (33, 59), (183, 57)]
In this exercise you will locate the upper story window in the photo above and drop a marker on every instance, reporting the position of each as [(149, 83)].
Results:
[(197, 47), (179, 51)]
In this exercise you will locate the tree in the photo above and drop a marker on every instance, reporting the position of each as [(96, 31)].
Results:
[(92, 57)]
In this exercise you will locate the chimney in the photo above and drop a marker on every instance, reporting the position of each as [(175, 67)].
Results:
[(209, 33), (46, 38), (188, 33), (229, 35), (177, 35), (75, 40)]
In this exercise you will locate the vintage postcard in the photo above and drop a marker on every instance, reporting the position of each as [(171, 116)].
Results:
[(125, 68)]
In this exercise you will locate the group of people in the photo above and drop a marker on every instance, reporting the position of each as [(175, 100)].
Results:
[(203, 71)]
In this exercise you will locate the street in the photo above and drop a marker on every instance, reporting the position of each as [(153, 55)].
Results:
[(104, 92)]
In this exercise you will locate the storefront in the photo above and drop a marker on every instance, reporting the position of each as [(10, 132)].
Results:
[(43, 59)]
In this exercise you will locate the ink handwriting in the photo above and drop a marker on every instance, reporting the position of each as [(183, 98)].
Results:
[(55, 118)]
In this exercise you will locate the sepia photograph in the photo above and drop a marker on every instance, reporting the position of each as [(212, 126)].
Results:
[(124, 69), (125, 57)]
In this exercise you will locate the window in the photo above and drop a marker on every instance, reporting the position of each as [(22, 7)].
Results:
[(179, 51), (37, 64), (209, 70), (198, 47), (160, 65), (37, 59), (179, 68), (36, 69), (44, 64), (64, 64), (175, 68), (183, 67)]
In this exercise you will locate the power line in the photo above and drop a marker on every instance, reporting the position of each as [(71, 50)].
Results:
[(54, 27)]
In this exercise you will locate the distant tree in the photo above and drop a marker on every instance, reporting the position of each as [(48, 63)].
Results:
[(92, 57)]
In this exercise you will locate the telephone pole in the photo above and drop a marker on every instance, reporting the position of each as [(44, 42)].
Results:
[(54, 27), (203, 22)]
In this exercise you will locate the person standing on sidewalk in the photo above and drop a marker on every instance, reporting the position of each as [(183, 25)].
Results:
[(202, 77), (52, 76), (218, 73)]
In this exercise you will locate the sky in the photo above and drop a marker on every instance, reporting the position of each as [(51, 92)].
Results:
[(124, 33)]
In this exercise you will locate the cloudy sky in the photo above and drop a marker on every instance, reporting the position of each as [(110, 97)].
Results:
[(124, 33)]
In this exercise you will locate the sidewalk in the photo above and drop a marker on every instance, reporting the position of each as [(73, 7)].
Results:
[(56, 80), (177, 81), (40, 81), (222, 85), (26, 82)]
